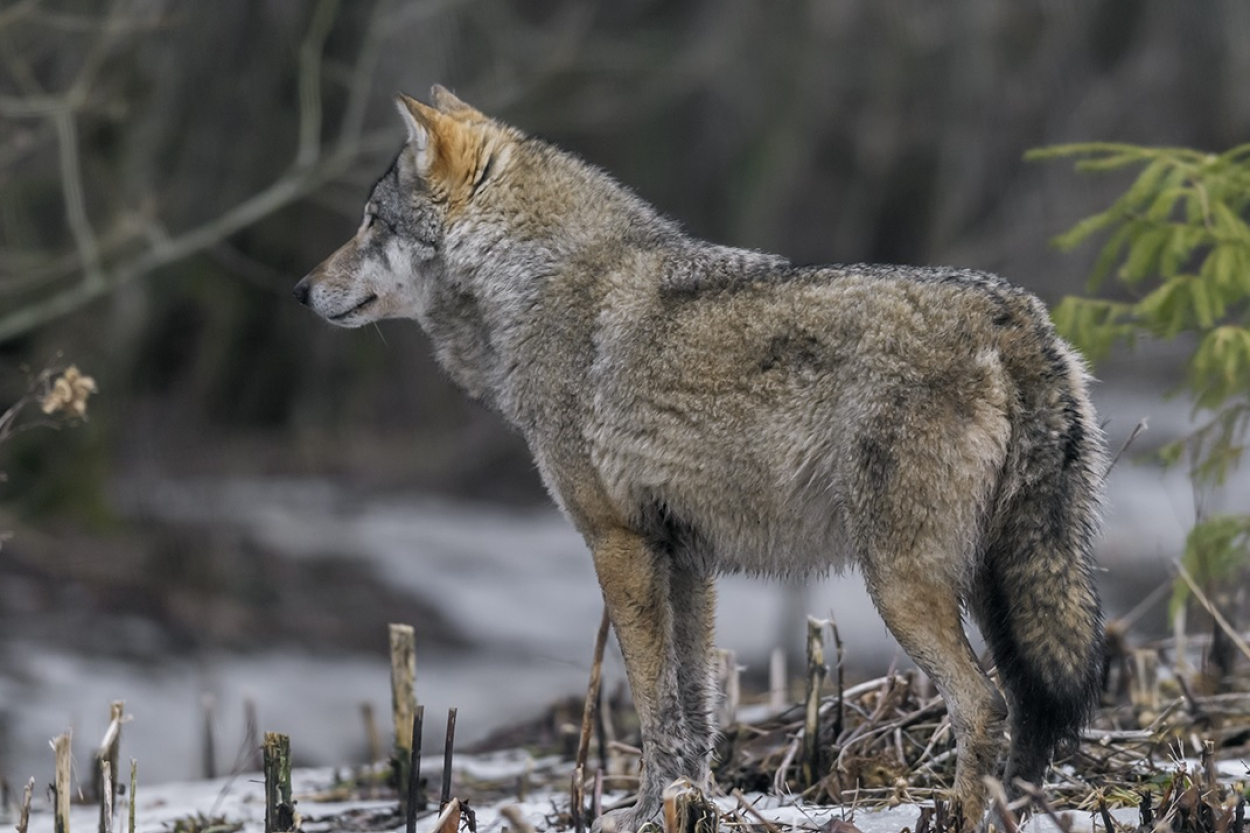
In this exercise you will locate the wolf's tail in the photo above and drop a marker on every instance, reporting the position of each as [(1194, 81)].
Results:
[(1035, 597)]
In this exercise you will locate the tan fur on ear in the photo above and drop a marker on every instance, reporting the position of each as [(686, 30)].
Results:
[(449, 153), (447, 102)]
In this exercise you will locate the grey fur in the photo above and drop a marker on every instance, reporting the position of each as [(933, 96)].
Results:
[(697, 409)]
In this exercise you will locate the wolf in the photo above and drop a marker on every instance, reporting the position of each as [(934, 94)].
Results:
[(696, 409)]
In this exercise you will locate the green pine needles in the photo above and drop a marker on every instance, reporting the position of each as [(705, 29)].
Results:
[(1179, 242)]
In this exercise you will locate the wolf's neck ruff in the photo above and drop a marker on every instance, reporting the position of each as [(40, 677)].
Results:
[(696, 409)]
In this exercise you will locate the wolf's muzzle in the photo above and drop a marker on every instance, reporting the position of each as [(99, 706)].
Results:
[(302, 290)]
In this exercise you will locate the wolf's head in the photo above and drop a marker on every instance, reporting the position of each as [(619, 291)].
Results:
[(398, 255)]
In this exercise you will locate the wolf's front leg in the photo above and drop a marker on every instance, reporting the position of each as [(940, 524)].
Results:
[(640, 591)]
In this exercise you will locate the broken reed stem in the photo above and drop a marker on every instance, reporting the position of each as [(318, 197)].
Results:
[(1107, 822), (373, 742), (108, 754), (445, 795), (576, 799), (448, 818), (811, 724), (106, 790), (840, 715), (998, 796), (403, 704), (771, 827), (134, 788), (415, 800), (590, 707), (1228, 629), (1042, 802), (1133, 435), (209, 748), (778, 693), (1144, 683), (23, 814), (517, 821), (279, 811), (251, 736), (61, 786), (590, 714), (687, 809), (601, 731)]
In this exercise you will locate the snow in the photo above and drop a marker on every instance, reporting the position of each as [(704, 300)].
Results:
[(240, 799)]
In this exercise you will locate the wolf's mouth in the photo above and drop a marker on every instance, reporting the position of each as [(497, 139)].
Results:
[(366, 302)]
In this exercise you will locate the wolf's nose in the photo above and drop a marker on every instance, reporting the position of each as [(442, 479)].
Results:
[(301, 291)]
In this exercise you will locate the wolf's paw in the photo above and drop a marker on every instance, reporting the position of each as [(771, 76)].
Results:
[(627, 820)]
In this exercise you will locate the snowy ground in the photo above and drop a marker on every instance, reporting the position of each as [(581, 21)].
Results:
[(241, 800)]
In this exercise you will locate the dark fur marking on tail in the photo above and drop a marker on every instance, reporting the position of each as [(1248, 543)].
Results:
[(1047, 714)]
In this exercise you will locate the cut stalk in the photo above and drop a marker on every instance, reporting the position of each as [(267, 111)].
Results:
[(816, 672), (279, 810)]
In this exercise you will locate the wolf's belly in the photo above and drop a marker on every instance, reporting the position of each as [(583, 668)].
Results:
[(752, 512)]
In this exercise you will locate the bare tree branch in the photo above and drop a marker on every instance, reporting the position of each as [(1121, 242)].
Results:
[(103, 262), (75, 203), (283, 192), (17, 11), (361, 81), (310, 54)]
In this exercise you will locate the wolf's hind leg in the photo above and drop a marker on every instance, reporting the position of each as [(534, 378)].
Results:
[(923, 612), (694, 614)]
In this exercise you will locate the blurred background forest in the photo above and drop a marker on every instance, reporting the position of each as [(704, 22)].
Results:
[(168, 170)]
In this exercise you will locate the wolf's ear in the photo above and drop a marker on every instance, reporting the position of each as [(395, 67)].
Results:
[(447, 102), (448, 151), (422, 122)]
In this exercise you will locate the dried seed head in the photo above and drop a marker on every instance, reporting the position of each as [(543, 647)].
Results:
[(69, 393)]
